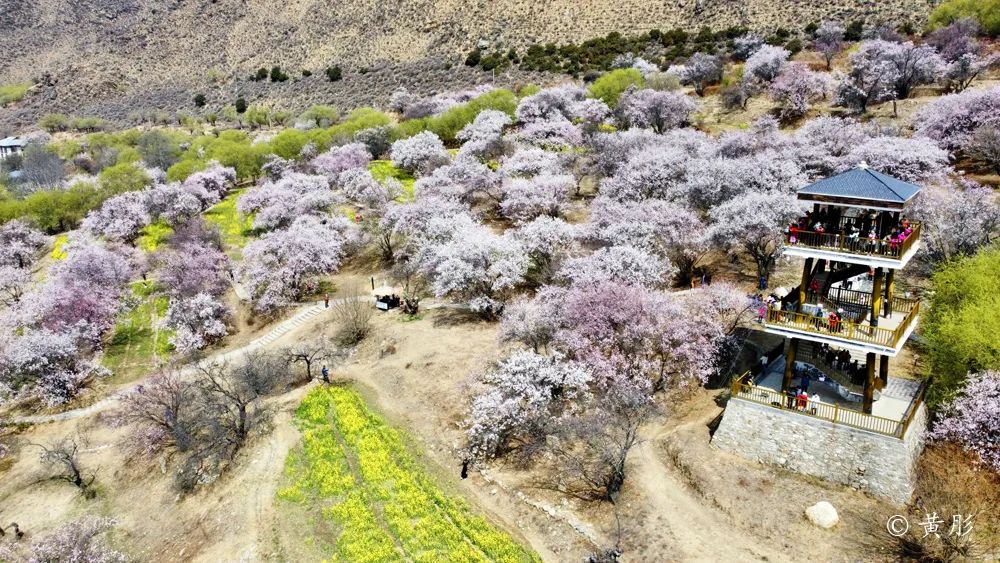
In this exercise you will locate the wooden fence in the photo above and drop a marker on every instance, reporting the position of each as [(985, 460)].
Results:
[(826, 411), (850, 330), (835, 242)]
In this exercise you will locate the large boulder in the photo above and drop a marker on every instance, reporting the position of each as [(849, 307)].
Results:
[(823, 514)]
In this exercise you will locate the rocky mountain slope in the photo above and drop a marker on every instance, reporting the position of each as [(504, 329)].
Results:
[(112, 57)]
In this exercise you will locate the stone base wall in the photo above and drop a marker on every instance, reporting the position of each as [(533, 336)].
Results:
[(871, 462)]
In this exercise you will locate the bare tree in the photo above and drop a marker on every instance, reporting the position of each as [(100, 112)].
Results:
[(985, 146), (308, 353), (63, 457), (205, 417), (354, 315), (161, 412), (227, 414), (41, 168), (613, 553), (230, 405), (593, 448), (265, 373), (158, 149), (407, 274)]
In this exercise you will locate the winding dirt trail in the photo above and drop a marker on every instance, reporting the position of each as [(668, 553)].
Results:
[(696, 530), (302, 316)]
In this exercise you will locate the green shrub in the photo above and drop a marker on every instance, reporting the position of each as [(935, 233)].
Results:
[(184, 168), (277, 75), (231, 148), (257, 116), (449, 123), (358, 120), (66, 149), (854, 30), (473, 57), (611, 85), (121, 178), (199, 100), (288, 144), (334, 73), (88, 124), (53, 122), (962, 323), (10, 93), (528, 90), (493, 61), (320, 115), (986, 12), (241, 105), (56, 211), (260, 75)]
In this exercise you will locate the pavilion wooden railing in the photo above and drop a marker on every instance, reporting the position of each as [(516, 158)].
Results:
[(861, 245), (918, 398), (824, 411), (850, 330)]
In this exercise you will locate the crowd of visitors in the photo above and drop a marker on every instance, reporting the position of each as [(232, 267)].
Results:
[(869, 232), (841, 360)]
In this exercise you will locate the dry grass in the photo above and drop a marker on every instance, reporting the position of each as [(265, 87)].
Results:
[(950, 484)]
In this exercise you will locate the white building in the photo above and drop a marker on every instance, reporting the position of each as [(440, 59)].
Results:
[(12, 145)]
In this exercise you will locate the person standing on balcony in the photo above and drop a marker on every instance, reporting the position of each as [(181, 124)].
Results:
[(866, 221), (814, 403), (801, 400)]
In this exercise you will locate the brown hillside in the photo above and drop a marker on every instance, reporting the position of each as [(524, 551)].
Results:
[(112, 57)]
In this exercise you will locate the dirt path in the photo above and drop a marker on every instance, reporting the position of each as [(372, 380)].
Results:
[(305, 314), (302, 316), (696, 530)]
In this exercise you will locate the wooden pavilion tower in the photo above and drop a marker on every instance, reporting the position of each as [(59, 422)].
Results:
[(856, 228)]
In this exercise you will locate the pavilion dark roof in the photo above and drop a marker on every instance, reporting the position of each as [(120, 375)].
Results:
[(861, 184)]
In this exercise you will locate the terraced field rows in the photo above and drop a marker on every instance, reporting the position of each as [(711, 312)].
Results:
[(356, 471)]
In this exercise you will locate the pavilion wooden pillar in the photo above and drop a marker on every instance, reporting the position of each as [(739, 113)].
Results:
[(790, 353), (876, 296), (869, 383), (883, 370), (890, 291), (804, 286)]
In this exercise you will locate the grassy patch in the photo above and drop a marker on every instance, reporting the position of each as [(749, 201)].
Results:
[(10, 93), (234, 227), (153, 236), (137, 343), (384, 169), (374, 502)]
